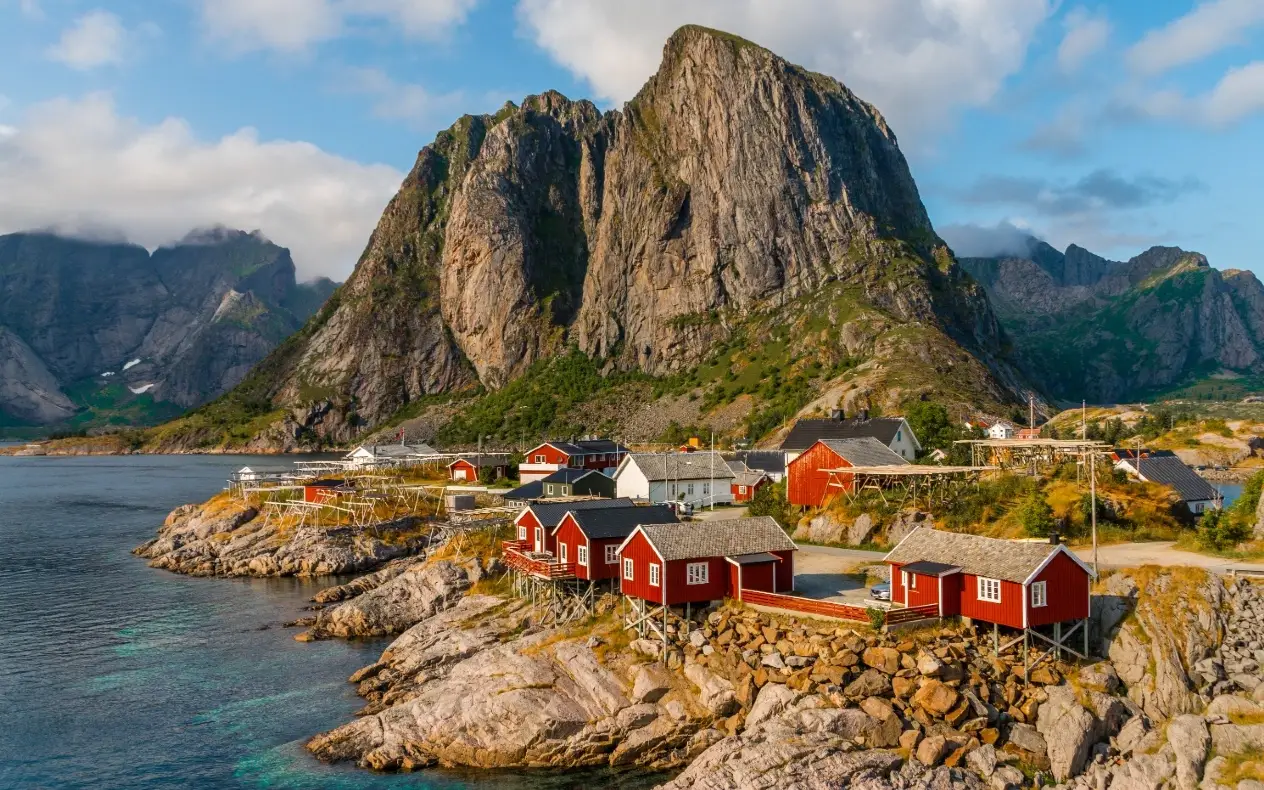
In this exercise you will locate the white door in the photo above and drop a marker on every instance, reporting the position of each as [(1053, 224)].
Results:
[(460, 474), (539, 538)]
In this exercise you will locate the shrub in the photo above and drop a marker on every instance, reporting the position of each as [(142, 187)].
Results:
[(770, 500), (877, 617), (1035, 516)]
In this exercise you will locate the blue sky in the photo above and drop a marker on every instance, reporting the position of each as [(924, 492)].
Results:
[(1112, 125)]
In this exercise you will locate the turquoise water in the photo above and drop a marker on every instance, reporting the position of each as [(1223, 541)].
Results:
[(115, 675), (1230, 492)]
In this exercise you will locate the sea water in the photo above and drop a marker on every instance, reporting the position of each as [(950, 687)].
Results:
[(117, 675)]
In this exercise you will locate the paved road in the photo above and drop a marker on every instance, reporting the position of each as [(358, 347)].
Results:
[(1117, 555)]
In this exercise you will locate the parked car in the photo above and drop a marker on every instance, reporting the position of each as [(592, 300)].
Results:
[(681, 509), (880, 592)]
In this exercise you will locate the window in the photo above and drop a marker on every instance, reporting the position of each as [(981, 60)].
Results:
[(741, 489), (689, 489), (912, 581), (550, 489), (582, 553), (562, 549), (539, 459), (706, 488), (612, 555), (697, 573), (671, 490), (897, 435), (904, 579), (989, 590), (654, 575), (1039, 594), (627, 568), (522, 532)]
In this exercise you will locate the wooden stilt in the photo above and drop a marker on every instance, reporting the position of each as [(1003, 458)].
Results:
[(1086, 636), (996, 639), (1026, 679), (1057, 638)]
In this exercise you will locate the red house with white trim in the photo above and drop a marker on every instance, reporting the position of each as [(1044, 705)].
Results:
[(746, 481), (591, 538), (670, 564), (466, 469), (810, 482), (537, 522), (1019, 584), (602, 455)]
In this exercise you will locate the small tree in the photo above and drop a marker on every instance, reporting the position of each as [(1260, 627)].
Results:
[(487, 475), (931, 425), (1035, 516), (770, 500), (1219, 530)]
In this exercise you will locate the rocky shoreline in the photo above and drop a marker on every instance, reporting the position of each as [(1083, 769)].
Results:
[(475, 679)]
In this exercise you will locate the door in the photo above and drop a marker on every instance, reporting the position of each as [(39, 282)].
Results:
[(539, 538), (460, 474)]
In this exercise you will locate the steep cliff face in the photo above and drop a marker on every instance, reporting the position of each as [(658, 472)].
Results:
[(94, 325), (1105, 330), (734, 184)]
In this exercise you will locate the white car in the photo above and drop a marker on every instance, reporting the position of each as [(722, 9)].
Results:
[(880, 592)]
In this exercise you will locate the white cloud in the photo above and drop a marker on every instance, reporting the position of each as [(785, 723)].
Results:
[(1086, 34), (404, 101), (77, 166), (294, 25), (96, 39), (1238, 94), (1209, 28), (917, 60)]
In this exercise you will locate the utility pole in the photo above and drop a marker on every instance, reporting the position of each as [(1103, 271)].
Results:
[(1092, 486), (711, 485)]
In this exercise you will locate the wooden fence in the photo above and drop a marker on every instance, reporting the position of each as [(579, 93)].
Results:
[(839, 611), (542, 568)]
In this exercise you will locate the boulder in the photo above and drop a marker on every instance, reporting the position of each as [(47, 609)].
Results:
[(1190, 740), (870, 683), (936, 698), (861, 530), (824, 528), (932, 750), (1068, 729), (982, 760), (772, 699), (716, 693), (905, 522), (649, 683), (929, 665), (884, 659), (1006, 777), (1100, 677), (1028, 739)]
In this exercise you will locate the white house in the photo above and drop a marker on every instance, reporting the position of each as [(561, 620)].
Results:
[(699, 478), (369, 455), (1167, 470), (1001, 430)]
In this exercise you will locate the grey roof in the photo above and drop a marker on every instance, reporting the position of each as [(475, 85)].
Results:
[(865, 451), (754, 559), (550, 513), (569, 474), (1168, 470), (928, 568), (532, 490), (399, 450), (586, 446), (700, 465), (770, 461), (724, 538), (805, 433), (1011, 560), (618, 522), (743, 475)]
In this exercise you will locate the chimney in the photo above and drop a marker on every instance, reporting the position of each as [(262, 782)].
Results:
[(836, 415), (1054, 540)]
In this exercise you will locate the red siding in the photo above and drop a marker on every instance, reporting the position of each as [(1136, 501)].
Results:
[(808, 485), (897, 585), (642, 555), (785, 571), (551, 454), (569, 534), (952, 594), (540, 538), (923, 590), (1066, 590), (749, 494), (471, 473), (526, 519), (758, 577), (716, 588), (1008, 612), (598, 569)]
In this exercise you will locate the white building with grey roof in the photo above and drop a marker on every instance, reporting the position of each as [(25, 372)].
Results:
[(698, 478)]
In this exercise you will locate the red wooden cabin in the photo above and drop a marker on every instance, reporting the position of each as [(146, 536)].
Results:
[(321, 490), (746, 481), (811, 484), (669, 564), (591, 538), (466, 469), (1019, 584), (602, 455), (537, 522)]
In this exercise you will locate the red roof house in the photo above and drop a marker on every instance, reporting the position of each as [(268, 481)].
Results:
[(669, 564), (1019, 584), (811, 485), (602, 455), (591, 538)]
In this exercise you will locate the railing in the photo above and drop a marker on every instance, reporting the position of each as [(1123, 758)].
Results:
[(839, 611), (544, 568), (912, 613), (515, 545)]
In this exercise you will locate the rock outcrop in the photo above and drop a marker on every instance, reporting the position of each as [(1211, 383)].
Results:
[(226, 537), (733, 188)]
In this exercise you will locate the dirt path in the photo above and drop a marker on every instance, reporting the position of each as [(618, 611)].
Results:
[(1128, 555)]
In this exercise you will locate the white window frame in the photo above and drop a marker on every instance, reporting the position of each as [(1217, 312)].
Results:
[(912, 581), (697, 573), (539, 459), (741, 489), (562, 551), (612, 554), (550, 489), (629, 569), (539, 539), (689, 489), (522, 532), (904, 583), (706, 489), (1039, 594), (655, 570), (989, 590), (582, 555)]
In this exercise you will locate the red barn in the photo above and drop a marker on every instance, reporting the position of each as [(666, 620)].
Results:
[(670, 564), (537, 521), (591, 538), (467, 468), (602, 455), (1019, 584), (811, 484)]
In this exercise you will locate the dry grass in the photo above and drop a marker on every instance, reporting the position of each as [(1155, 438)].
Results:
[(499, 586), (483, 544), (1240, 767), (1242, 718)]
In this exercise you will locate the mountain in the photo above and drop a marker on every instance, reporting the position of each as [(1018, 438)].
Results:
[(99, 332), (738, 208), (1090, 328)]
